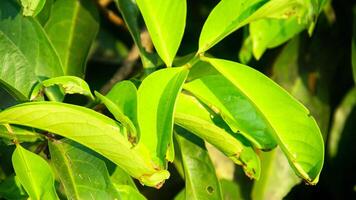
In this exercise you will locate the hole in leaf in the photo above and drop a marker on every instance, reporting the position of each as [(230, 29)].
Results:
[(210, 189)]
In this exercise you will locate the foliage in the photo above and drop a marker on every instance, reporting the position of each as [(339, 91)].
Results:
[(65, 139)]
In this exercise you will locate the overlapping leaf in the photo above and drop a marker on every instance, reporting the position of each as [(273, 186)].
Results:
[(165, 21), (25, 51), (83, 175), (72, 27), (293, 127), (197, 164), (239, 113), (230, 15), (156, 102), (89, 128), (192, 116)]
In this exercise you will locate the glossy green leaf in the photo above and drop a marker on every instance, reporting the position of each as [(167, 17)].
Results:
[(17, 133), (32, 7), (341, 115), (199, 173), (72, 28), (165, 21), (275, 170), (238, 112), (269, 33), (353, 46), (34, 174), (82, 173), (70, 85), (156, 101), (88, 128), (230, 15), (192, 116), (25, 51), (45, 13), (299, 137)]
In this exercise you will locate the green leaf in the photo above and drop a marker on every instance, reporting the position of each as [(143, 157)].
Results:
[(25, 51), (230, 190), (230, 15), (192, 116), (129, 193), (353, 51), (165, 21), (17, 133), (82, 173), (120, 177), (199, 173), (156, 101), (270, 33), (238, 112), (88, 128), (299, 136), (122, 103), (131, 15), (70, 85), (32, 7), (275, 170), (45, 13), (341, 115), (34, 174), (72, 28), (9, 96)]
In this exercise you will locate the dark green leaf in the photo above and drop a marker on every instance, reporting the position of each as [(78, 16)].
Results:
[(26, 54), (11, 189), (199, 173), (72, 27), (34, 174), (82, 173)]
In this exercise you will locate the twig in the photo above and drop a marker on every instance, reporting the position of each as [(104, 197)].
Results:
[(128, 64), (109, 14)]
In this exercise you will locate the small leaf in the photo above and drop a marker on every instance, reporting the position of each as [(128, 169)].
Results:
[(197, 165), (299, 137), (82, 173), (25, 51), (90, 129), (275, 170), (72, 28), (156, 101), (269, 33), (230, 15), (70, 85), (32, 7), (120, 177), (230, 190), (238, 112), (192, 116), (34, 174), (165, 21)]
